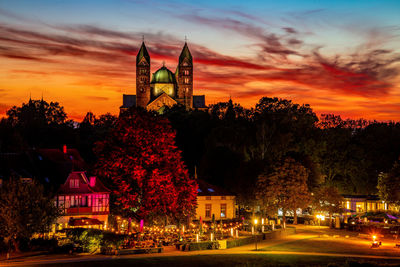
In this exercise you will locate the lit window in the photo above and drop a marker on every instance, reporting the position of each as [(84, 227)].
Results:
[(208, 210), (74, 183), (223, 198), (208, 197), (223, 210), (186, 80)]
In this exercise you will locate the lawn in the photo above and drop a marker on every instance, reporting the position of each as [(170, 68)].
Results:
[(337, 246)]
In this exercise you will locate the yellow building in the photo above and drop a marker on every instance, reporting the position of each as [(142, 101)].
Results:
[(214, 200), (354, 204)]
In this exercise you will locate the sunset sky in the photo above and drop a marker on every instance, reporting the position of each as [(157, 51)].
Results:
[(341, 57)]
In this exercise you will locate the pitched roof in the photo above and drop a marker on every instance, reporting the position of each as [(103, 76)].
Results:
[(185, 54), (142, 54), (206, 189), (84, 185)]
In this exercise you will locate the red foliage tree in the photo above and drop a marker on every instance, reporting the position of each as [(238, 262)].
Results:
[(145, 168)]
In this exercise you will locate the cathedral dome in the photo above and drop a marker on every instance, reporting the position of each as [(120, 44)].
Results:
[(163, 75)]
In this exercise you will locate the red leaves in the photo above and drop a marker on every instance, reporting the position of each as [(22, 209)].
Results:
[(146, 169)]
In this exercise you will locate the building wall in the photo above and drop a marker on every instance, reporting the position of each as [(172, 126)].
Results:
[(215, 202)]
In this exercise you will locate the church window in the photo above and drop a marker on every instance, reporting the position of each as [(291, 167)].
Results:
[(186, 72), (186, 80)]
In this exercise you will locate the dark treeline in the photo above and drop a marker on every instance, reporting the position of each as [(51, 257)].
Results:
[(231, 146)]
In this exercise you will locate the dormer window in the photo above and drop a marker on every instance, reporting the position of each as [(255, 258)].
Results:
[(74, 183)]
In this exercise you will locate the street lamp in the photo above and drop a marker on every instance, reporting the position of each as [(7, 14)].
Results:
[(255, 236)]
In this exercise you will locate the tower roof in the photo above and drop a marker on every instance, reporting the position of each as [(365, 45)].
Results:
[(163, 75), (142, 54), (185, 54)]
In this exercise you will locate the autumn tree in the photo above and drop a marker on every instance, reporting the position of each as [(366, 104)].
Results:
[(285, 188), (388, 184), (145, 168), (24, 210), (327, 199)]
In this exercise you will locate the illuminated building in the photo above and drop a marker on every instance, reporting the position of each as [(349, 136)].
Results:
[(165, 88), (83, 199)]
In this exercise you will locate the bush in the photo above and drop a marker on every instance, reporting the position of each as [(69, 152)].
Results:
[(43, 244), (111, 240), (88, 239)]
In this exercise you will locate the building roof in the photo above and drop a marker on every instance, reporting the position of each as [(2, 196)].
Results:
[(85, 187), (163, 75), (83, 221), (143, 54), (366, 197), (128, 101), (199, 101), (206, 189), (49, 166), (185, 54)]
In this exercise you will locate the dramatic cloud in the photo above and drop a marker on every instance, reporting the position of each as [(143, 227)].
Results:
[(98, 64)]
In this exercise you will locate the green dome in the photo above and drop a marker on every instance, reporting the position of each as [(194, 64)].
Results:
[(163, 75)]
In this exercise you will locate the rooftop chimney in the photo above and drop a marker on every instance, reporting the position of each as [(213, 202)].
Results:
[(92, 181)]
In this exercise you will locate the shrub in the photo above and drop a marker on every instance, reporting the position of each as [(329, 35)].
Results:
[(43, 244), (88, 239)]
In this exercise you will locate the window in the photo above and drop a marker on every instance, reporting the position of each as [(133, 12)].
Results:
[(208, 197), (223, 210), (208, 210), (186, 80), (74, 183), (186, 72)]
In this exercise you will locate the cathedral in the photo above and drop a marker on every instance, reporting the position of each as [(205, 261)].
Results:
[(165, 88)]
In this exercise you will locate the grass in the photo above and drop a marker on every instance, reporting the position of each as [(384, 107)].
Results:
[(238, 260), (338, 246)]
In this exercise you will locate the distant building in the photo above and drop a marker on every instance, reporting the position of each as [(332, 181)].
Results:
[(50, 167), (354, 204), (165, 88), (84, 201), (211, 200)]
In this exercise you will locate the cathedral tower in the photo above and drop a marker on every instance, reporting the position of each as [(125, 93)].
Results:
[(142, 77), (184, 73)]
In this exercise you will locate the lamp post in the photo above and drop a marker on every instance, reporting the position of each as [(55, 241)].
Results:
[(255, 236)]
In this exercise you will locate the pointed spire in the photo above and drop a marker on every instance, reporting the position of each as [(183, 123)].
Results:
[(143, 54), (185, 54)]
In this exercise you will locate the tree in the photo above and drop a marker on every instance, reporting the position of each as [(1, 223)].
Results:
[(328, 199), (41, 124), (24, 210), (37, 112), (388, 184), (285, 188), (145, 169)]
